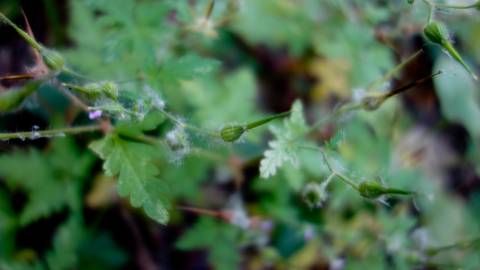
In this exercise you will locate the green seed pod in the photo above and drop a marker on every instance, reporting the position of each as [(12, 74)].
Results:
[(373, 190), (53, 59), (411, 1), (94, 90), (108, 88), (13, 98), (232, 133), (437, 33)]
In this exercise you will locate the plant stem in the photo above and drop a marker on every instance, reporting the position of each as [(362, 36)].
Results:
[(16, 77), (407, 86), (430, 11), (77, 101), (453, 53), (347, 180), (399, 191), (352, 106), (142, 138), (396, 69), (209, 9), (201, 211), (336, 113), (460, 245), (441, 5), (35, 134), (334, 172), (30, 40), (263, 121)]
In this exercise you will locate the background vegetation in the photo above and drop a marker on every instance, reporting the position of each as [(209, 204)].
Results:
[(129, 139)]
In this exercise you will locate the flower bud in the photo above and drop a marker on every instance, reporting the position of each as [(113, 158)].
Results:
[(53, 59), (436, 32), (371, 189), (232, 133), (93, 90), (110, 89)]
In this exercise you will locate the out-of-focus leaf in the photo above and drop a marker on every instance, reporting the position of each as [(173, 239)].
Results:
[(355, 44), (44, 178), (218, 238), (264, 22), (234, 98), (458, 94)]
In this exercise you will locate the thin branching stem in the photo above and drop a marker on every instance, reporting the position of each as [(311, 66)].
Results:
[(454, 6), (329, 178), (35, 134), (431, 9), (347, 180), (182, 124), (395, 70), (334, 172)]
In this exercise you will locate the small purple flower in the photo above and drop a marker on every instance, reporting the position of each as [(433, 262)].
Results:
[(266, 225), (308, 233), (95, 114)]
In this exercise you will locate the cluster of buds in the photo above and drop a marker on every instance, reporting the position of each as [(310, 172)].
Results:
[(97, 89)]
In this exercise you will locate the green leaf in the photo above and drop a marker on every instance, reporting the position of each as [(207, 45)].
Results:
[(356, 44), (137, 175), (179, 69), (458, 94), (76, 247), (65, 246), (234, 98), (264, 22), (285, 146), (7, 225), (44, 177), (218, 237)]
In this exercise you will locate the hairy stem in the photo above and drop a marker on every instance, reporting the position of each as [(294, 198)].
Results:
[(396, 69), (35, 134), (431, 8), (29, 39), (453, 6), (347, 180), (266, 120)]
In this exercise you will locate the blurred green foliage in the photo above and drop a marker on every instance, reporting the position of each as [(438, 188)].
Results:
[(183, 75)]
